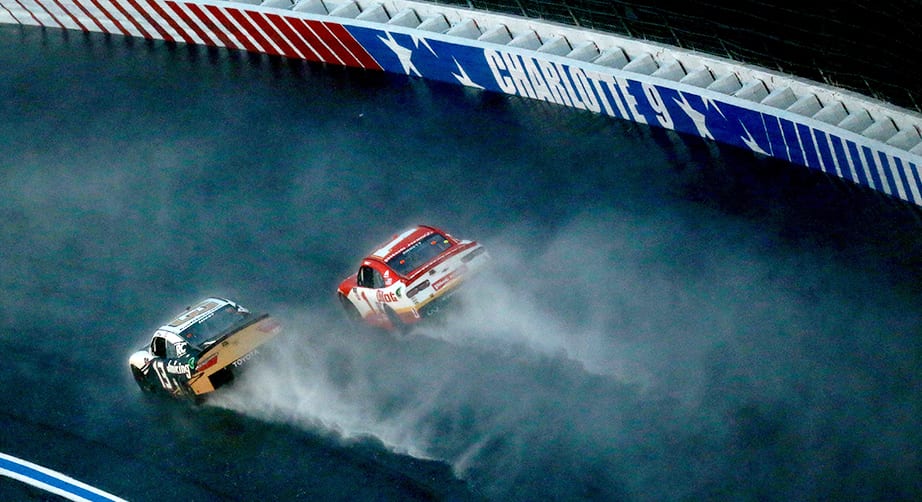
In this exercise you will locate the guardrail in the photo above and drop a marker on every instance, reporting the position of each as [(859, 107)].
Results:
[(844, 134), (852, 44)]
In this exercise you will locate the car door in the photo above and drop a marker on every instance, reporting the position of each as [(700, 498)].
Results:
[(377, 288), (368, 280), (171, 372)]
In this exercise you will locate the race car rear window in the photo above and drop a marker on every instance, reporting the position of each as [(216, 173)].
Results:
[(419, 253), (213, 327)]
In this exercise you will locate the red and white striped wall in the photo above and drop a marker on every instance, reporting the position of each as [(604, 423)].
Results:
[(216, 25)]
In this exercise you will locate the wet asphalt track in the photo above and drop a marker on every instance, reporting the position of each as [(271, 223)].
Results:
[(666, 319)]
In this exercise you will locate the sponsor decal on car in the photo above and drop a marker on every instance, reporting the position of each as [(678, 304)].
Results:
[(243, 360), (192, 313), (383, 297), (174, 367), (439, 284)]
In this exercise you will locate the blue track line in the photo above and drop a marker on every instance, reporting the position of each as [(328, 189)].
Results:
[(50, 480)]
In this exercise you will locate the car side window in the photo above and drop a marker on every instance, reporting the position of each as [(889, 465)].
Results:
[(370, 278), (364, 279), (158, 347)]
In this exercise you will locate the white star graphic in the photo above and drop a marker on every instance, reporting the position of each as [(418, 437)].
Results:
[(751, 142), (463, 78), (425, 41), (403, 54), (696, 117)]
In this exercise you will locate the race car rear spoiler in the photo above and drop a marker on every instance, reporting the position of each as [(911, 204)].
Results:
[(230, 348)]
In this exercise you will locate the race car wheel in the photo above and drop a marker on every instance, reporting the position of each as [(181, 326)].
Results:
[(400, 327), (141, 381), (352, 313)]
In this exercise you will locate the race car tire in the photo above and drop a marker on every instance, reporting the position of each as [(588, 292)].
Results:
[(400, 327), (141, 381), (352, 313)]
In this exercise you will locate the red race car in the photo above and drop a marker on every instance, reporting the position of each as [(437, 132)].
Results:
[(410, 277)]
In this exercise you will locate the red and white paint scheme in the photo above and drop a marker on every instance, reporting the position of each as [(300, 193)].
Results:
[(409, 277), (217, 24)]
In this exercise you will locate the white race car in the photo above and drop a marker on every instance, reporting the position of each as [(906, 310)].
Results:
[(409, 277), (201, 349)]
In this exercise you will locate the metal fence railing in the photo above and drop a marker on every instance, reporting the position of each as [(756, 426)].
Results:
[(874, 48)]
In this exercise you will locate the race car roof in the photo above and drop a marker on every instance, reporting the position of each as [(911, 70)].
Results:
[(402, 240), (193, 314)]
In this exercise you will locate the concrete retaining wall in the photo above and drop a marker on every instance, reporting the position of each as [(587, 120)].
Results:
[(840, 133)]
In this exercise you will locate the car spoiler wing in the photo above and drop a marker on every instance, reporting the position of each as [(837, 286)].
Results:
[(230, 348)]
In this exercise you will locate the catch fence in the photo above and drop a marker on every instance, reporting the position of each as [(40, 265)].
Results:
[(873, 48)]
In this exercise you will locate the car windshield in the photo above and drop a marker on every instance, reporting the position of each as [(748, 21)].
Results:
[(222, 321), (419, 253)]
